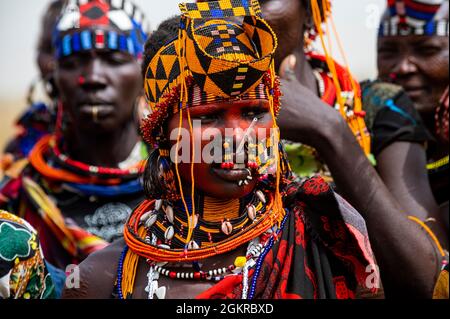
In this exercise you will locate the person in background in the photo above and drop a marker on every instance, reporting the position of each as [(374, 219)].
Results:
[(79, 183), (311, 84)]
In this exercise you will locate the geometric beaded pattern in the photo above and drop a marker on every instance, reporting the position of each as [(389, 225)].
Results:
[(415, 17), (224, 58), (126, 27)]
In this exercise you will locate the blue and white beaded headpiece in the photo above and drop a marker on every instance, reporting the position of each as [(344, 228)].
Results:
[(415, 17), (100, 24)]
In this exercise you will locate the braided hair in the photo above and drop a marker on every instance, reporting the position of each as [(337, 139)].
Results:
[(158, 179)]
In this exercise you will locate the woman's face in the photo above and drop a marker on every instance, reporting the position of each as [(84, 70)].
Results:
[(218, 118), (287, 19), (98, 88), (419, 64)]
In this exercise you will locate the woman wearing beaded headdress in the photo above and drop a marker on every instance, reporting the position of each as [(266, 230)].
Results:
[(78, 184), (413, 51), (311, 84), (236, 227)]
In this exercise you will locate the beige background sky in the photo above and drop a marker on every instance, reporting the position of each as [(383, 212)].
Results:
[(356, 20)]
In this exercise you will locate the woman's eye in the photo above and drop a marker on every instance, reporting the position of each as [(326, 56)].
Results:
[(427, 51), (207, 118), (115, 60), (68, 64), (253, 114)]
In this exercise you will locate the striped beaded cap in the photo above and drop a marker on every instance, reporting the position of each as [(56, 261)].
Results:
[(100, 24), (223, 51), (415, 17)]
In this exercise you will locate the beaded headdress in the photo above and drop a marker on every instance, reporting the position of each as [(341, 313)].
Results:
[(116, 25), (415, 17), (224, 51)]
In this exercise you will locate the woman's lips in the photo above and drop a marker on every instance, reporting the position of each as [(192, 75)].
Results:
[(233, 175), (97, 110), (416, 92)]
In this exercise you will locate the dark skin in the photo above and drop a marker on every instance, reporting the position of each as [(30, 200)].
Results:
[(111, 85), (220, 115), (304, 118), (420, 65)]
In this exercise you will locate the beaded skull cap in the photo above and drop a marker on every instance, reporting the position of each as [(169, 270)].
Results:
[(415, 17), (224, 49), (100, 24)]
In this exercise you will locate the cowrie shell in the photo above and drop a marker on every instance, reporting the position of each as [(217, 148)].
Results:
[(158, 204), (193, 245), (261, 196), (146, 216), (168, 234), (169, 213), (251, 212), (151, 219), (227, 228)]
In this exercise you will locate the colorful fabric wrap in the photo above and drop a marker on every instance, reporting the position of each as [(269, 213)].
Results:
[(214, 58), (23, 272), (116, 25), (415, 17)]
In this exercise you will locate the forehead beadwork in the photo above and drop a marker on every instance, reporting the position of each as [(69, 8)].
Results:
[(415, 17), (100, 24)]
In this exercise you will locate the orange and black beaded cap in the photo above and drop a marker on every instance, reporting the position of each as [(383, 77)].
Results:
[(224, 51)]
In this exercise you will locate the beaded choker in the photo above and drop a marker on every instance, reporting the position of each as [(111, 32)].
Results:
[(50, 165), (87, 170), (259, 217), (170, 225)]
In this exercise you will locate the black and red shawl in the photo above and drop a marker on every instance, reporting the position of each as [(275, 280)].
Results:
[(322, 252)]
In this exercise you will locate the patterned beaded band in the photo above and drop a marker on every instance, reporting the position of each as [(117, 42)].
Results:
[(415, 17), (100, 24), (224, 60)]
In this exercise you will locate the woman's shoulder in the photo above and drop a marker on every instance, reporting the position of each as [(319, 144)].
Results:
[(94, 278)]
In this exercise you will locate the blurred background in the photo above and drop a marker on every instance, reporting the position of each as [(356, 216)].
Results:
[(356, 22)]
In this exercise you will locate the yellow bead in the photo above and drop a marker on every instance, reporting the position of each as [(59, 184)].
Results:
[(226, 145), (26, 295), (240, 261)]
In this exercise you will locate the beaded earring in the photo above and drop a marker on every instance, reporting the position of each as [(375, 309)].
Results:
[(228, 155)]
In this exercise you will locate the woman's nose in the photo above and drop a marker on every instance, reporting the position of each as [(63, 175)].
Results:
[(406, 66), (94, 75)]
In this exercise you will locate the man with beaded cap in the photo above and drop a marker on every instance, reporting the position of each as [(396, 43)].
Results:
[(228, 229), (80, 182)]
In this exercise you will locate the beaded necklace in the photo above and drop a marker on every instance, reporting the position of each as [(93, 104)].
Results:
[(257, 250), (438, 164), (88, 170), (170, 225), (49, 165), (192, 251)]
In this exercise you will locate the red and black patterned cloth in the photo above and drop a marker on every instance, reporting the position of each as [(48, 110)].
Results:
[(323, 251)]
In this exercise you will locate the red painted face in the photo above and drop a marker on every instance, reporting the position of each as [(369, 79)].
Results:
[(217, 118)]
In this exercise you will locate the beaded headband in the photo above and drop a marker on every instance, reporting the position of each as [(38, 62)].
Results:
[(116, 25), (214, 58), (415, 17)]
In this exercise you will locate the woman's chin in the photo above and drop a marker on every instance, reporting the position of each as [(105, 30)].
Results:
[(228, 190)]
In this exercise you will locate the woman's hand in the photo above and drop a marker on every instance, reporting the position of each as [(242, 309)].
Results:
[(304, 117)]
